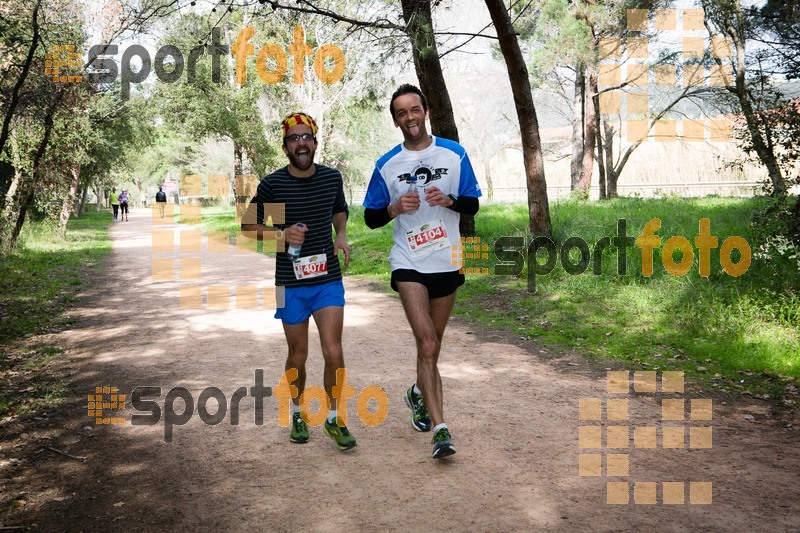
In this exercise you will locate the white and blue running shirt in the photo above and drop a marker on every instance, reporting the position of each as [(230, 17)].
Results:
[(443, 164)]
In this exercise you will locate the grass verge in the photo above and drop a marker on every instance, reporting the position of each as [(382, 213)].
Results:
[(731, 334), (38, 281)]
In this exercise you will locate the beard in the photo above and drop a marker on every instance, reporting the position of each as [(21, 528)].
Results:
[(303, 161)]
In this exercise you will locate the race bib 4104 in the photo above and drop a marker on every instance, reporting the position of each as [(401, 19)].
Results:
[(427, 238)]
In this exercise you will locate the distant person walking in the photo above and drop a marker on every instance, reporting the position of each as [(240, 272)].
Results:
[(113, 199), (161, 200), (123, 204)]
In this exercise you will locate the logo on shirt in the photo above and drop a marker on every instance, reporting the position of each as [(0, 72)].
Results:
[(424, 173)]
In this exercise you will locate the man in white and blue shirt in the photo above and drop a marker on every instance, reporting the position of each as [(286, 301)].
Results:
[(423, 184)]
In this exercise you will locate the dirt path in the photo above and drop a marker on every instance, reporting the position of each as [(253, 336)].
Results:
[(513, 410)]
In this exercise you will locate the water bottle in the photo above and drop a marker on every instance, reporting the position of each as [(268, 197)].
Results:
[(294, 250), (412, 187)]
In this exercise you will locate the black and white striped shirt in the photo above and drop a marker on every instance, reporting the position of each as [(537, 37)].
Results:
[(311, 201)]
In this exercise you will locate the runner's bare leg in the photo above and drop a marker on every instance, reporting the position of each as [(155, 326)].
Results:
[(297, 340), (428, 319), (330, 321)]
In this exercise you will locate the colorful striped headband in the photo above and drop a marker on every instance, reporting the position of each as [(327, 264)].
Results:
[(299, 118)]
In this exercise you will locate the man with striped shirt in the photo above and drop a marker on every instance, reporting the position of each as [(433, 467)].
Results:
[(313, 200)]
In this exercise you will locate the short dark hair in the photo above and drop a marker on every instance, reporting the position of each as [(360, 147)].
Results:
[(407, 88)]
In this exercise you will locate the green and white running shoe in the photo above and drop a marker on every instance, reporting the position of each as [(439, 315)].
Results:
[(299, 433), (343, 439)]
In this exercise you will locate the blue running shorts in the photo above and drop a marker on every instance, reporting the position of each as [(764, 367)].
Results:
[(301, 302)]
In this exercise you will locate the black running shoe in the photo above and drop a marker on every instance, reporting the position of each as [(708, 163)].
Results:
[(442, 445), (420, 419)]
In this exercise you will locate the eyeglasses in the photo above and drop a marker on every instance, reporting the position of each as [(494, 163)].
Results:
[(302, 137)]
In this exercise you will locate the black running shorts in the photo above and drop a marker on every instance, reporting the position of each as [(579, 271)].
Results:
[(439, 284)]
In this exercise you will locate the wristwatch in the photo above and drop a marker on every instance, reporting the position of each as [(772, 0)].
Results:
[(455, 202)]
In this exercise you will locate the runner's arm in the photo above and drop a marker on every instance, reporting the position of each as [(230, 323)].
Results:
[(340, 225), (258, 212), (377, 218), (257, 232), (465, 204), (377, 202)]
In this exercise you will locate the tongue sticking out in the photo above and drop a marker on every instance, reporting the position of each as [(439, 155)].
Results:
[(303, 160), (414, 130)]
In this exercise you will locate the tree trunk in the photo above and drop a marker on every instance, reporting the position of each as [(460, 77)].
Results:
[(601, 166), (27, 202), (26, 66), (419, 27), (765, 154), (69, 200), (9, 213), (28, 199), (590, 132), (794, 224), (7, 172), (100, 193), (538, 207), (611, 172), (84, 197), (76, 204), (577, 126), (8, 210), (238, 166)]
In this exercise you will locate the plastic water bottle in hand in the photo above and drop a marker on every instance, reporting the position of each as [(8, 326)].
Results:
[(412, 187), (294, 250)]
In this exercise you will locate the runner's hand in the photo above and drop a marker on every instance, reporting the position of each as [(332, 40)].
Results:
[(341, 244), (407, 202), (435, 197), (295, 234)]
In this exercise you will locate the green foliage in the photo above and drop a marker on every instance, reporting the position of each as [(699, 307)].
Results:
[(250, 114), (781, 21), (204, 108), (768, 129), (779, 247), (171, 154), (562, 37), (41, 277), (777, 119), (355, 141)]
